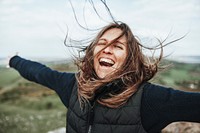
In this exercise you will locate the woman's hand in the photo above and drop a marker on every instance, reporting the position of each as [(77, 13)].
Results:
[(8, 59)]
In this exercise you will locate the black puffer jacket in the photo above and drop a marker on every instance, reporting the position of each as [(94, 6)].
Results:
[(101, 119)]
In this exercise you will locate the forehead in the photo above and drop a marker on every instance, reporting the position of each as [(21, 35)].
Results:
[(112, 34)]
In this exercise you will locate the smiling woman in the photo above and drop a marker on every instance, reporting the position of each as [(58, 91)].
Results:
[(115, 54)]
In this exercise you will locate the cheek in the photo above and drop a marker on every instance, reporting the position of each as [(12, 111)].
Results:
[(95, 62), (94, 56), (122, 61), (122, 58), (96, 50)]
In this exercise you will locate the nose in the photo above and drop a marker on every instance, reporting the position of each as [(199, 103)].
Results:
[(108, 50)]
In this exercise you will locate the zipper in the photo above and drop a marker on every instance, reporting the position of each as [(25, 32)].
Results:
[(89, 128), (90, 118), (92, 103)]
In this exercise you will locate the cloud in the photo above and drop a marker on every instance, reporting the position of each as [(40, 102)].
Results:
[(37, 24)]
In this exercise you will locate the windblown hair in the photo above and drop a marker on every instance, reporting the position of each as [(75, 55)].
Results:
[(136, 69)]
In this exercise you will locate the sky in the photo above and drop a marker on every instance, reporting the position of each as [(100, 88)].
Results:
[(37, 28)]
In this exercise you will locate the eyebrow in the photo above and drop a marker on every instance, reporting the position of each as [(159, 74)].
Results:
[(103, 39)]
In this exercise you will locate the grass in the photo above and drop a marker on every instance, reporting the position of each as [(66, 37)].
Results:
[(29, 107), (7, 76), (175, 75), (15, 119)]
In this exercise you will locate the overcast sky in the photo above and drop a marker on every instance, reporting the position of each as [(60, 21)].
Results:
[(37, 28)]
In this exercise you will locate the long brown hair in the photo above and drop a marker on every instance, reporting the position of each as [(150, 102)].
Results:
[(136, 69)]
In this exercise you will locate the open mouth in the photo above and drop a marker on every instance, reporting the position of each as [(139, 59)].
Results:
[(106, 62)]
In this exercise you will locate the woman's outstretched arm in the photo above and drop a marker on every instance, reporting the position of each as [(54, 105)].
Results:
[(162, 106), (61, 82)]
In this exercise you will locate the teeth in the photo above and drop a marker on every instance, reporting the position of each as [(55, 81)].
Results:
[(107, 60)]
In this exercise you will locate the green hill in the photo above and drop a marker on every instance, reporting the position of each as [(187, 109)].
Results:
[(29, 107)]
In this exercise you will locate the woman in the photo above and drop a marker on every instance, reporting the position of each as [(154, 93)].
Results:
[(111, 92)]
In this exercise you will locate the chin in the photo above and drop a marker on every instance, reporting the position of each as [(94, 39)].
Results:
[(101, 76), (104, 75)]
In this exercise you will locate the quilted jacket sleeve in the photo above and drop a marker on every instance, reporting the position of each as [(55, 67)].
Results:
[(61, 82)]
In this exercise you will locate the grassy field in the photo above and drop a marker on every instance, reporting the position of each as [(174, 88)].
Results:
[(180, 76), (29, 107), (7, 76)]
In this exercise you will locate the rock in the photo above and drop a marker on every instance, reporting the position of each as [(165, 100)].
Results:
[(60, 130), (182, 127)]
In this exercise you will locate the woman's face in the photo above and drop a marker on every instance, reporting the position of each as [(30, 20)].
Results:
[(112, 57)]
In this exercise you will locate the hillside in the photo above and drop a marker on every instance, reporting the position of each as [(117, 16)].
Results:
[(26, 106)]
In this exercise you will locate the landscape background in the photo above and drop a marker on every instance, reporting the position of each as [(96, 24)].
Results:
[(36, 30), (29, 107)]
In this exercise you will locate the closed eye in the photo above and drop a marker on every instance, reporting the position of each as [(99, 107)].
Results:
[(101, 43), (118, 46)]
